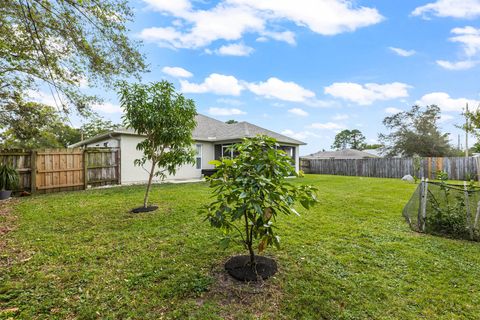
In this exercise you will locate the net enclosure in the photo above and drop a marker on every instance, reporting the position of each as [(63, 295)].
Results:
[(445, 209)]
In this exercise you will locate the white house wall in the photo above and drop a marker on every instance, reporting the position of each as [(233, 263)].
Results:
[(107, 143), (131, 174)]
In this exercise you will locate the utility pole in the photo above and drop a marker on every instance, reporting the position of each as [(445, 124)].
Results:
[(458, 145), (466, 131)]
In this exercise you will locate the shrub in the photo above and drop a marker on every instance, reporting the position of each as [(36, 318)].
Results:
[(251, 189)]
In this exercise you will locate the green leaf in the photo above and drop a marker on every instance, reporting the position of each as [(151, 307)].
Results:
[(216, 163)]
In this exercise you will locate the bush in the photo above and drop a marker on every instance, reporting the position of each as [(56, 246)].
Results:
[(251, 190)]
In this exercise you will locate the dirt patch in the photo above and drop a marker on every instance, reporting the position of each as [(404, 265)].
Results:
[(7, 218), (262, 298), (8, 223)]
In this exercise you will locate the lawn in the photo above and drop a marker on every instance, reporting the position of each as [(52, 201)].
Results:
[(82, 255)]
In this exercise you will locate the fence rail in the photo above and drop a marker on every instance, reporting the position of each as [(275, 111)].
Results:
[(54, 170), (457, 168)]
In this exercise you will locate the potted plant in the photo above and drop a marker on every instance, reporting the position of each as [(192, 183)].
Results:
[(250, 190), (8, 181)]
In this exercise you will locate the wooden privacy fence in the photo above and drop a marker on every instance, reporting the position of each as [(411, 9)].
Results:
[(53, 170), (457, 168)]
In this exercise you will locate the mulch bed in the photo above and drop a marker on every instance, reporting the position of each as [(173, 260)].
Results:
[(239, 267), (143, 209)]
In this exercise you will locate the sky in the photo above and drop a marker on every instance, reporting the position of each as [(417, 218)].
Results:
[(310, 68)]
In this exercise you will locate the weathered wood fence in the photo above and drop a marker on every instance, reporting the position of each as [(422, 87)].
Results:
[(54, 170), (456, 168)]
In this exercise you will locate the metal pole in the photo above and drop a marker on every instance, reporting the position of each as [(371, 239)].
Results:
[(466, 131)]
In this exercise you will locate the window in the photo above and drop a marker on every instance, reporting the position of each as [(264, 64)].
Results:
[(227, 151), (198, 156)]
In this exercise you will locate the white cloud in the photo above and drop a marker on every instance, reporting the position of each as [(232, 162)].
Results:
[(368, 93), (282, 90), (285, 36), (339, 117), (445, 117), (445, 102), (232, 102), (449, 8), (327, 17), (214, 83), (177, 72), (392, 110), (44, 98), (225, 112), (273, 88), (230, 20), (327, 126), (107, 107), (469, 40), (298, 112), (174, 7), (299, 135), (402, 52), (457, 65), (234, 49)]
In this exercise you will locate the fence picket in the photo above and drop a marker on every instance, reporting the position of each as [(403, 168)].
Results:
[(53, 170), (457, 168)]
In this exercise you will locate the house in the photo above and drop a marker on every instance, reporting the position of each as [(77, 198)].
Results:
[(341, 154), (212, 140)]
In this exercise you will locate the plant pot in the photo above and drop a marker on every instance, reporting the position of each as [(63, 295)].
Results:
[(239, 267), (5, 194)]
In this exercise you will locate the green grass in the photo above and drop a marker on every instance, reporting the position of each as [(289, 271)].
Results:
[(81, 255)]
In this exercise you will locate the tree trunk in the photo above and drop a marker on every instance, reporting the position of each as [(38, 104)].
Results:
[(252, 254), (145, 200), (248, 240)]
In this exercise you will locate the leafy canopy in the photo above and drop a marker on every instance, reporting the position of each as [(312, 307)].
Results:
[(63, 45), (415, 132), (28, 125), (250, 191), (353, 139), (97, 126)]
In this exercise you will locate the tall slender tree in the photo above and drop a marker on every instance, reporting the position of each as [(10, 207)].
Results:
[(166, 119)]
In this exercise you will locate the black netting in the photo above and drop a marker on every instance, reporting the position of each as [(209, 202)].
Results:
[(445, 209)]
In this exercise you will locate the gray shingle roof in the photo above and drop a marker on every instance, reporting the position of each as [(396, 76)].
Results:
[(341, 154), (209, 129), (214, 130)]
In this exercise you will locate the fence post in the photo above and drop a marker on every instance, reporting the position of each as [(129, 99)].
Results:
[(33, 171), (420, 202), (467, 209), (85, 169), (422, 208), (477, 216)]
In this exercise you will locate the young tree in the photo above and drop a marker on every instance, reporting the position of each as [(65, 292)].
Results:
[(166, 119), (415, 132), (251, 190), (353, 139), (63, 44)]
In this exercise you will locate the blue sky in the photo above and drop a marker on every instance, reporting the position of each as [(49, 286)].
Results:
[(310, 68)]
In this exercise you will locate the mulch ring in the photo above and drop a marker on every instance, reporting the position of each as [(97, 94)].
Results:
[(262, 298)]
